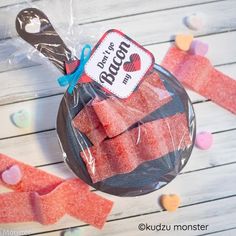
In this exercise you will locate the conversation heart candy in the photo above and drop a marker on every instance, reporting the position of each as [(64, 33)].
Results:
[(195, 21), (204, 140), (198, 48), (183, 41), (12, 176), (170, 202), (21, 119), (72, 232)]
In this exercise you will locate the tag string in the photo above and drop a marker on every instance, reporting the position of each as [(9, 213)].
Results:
[(73, 78)]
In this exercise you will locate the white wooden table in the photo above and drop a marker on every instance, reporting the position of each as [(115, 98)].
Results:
[(207, 185)]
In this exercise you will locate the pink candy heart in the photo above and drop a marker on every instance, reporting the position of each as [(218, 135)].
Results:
[(204, 140), (12, 176), (198, 48)]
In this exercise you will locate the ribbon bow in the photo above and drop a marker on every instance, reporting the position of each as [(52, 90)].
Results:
[(74, 77)]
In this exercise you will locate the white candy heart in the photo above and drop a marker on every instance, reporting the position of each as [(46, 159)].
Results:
[(21, 119), (196, 21), (34, 26), (12, 176), (72, 232)]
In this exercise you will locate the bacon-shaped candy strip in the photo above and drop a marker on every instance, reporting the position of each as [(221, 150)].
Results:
[(70, 197), (127, 151), (87, 122), (46, 198), (197, 73), (113, 116), (33, 179)]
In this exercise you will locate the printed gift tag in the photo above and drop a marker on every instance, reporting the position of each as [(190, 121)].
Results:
[(118, 63)]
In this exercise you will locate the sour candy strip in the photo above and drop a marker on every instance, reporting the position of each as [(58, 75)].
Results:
[(88, 123), (117, 115), (127, 151), (33, 179), (197, 73), (45, 198), (70, 197)]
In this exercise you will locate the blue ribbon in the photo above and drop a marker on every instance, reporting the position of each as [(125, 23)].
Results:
[(74, 77)]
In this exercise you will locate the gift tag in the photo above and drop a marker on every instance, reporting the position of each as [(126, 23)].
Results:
[(118, 63)]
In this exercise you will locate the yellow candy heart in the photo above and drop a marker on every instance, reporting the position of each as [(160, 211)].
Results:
[(183, 41), (170, 202)]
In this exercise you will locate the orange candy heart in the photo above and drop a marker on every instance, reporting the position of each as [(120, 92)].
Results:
[(170, 202), (183, 41)]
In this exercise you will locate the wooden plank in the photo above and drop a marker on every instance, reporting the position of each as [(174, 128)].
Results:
[(224, 232), (111, 9), (84, 12), (207, 111), (205, 187), (29, 83), (220, 18), (219, 53), (43, 114), (8, 26), (44, 111), (128, 24), (43, 149), (34, 149), (41, 80), (222, 152), (213, 214)]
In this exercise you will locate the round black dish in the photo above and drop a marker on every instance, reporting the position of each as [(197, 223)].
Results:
[(149, 176)]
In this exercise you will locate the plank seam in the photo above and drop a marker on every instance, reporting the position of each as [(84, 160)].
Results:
[(195, 36), (22, 135), (219, 231), (206, 168)]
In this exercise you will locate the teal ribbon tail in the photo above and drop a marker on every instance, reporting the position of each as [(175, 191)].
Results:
[(72, 79)]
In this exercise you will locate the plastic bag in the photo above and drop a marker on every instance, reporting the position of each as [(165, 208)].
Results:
[(144, 148), (64, 15), (125, 147)]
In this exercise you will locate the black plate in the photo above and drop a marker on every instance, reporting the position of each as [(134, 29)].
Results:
[(150, 175)]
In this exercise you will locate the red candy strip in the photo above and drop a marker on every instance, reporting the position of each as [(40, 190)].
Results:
[(91, 125), (46, 198), (71, 197), (197, 73), (33, 179), (88, 118), (97, 135), (116, 116), (127, 151)]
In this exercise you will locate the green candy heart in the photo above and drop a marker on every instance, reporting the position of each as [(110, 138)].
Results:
[(21, 119)]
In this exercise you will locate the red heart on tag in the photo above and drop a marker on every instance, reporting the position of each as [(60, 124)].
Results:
[(134, 64)]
